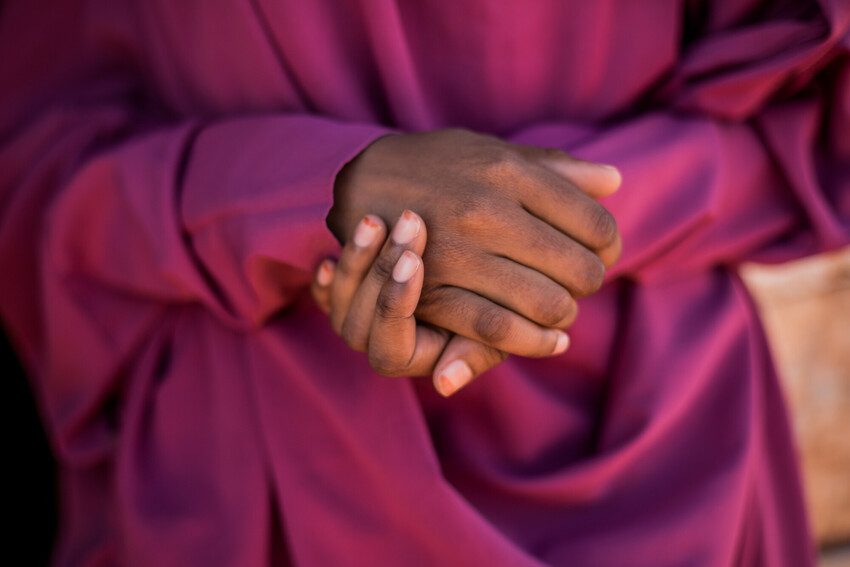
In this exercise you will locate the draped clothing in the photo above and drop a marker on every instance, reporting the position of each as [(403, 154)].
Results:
[(165, 173)]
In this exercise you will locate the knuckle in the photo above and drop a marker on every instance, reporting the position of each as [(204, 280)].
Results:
[(383, 364), (591, 275), (493, 325), (473, 214), (385, 307), (604, 225), (555, 308), (503, 163), (388, 305), (383, 267), (569, 318)]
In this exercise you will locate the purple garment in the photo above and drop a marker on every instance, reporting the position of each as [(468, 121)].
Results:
[(165, 172)]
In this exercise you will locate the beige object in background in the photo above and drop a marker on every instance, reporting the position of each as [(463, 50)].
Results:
[(805, 307)]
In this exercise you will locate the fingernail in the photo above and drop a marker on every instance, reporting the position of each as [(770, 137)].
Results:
[(453, 377), (406, 228), (562, 343), (325, 274), (613, 171), (405, 267), (366, 232)]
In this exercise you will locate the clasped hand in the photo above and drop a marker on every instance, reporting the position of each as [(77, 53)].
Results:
[(514, 235)]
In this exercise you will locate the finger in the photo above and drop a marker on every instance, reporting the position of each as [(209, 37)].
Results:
[(321, 286), (594, 179), (597, 180), (611, 254), (541, 247), (462, 361), (560, 203), (397, 346), (471, 315), (521, 289), (409, 233), (354, 262)]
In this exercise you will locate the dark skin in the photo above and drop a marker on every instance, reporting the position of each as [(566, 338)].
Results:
[(384, 303), (514, 236)]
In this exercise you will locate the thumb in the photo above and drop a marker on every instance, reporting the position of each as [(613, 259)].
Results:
[(596, 179), (461, 361)]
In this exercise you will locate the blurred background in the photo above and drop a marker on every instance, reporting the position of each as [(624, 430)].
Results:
[(805, 307)]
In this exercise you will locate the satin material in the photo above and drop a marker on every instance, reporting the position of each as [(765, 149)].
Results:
[(165, 171)]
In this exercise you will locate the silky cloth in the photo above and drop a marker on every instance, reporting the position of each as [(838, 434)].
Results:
[(165, 172)]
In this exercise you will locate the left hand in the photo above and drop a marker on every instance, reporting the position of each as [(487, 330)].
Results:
[(371, 295)]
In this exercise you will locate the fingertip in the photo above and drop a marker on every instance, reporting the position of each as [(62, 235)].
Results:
[(374, 220), (453, 377), (320, 288), (325, 272), (599, 180), (612, 253), (410, 215), (367, 231), (406, 266), (562, 342), (407, 227), (615, 178)]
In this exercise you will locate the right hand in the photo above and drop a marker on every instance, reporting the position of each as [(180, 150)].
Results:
[(514, 233)]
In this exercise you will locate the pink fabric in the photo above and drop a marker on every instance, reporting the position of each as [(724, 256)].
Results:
[(165, 171)]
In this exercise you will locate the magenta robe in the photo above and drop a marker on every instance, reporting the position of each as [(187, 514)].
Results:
[(165, 172)]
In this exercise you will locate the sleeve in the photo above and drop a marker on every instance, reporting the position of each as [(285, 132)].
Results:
[(112, 211), (743, 155)]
